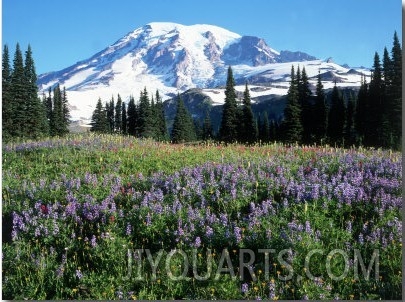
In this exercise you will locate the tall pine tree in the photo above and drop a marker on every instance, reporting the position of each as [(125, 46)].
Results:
[(183, 126), (376, 110), (208, 132), (7, 103), (395, 112), (118, 115), (349, 131), (132, 117), (110, 110), (248, 129), (307, 115), (145, 123), (65, 113), (159, 116), (360, 117), (320, 113), (18, 94), (336, 120), (292, 127), (99, 122), (229, 124), (124, 125), (264, 128)]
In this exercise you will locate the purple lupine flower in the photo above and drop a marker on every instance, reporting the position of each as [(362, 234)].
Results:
[(197, 242), (64, 258), (233, 192), (93, 241), (148, 219), (245, 288), (237, 233), (308, 229), (224, 219), (55, 230), (180, 232), (129, 229), (119, 294), (14, 234), (59, 271), (79, 274), (208, 231)]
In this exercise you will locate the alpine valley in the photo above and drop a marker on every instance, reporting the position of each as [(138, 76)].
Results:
[(192, 61)]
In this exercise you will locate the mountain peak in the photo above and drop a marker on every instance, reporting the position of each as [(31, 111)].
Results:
[(171, 58)]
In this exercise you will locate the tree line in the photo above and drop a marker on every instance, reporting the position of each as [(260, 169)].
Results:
[(373, 119), (145, 118), (24, 114)]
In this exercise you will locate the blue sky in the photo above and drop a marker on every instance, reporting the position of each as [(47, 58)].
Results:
[(62, 32)]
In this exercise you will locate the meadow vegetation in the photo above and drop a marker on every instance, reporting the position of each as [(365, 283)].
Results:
[(84, 215)]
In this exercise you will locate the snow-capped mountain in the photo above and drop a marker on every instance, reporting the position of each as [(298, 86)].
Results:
[(173, 58)]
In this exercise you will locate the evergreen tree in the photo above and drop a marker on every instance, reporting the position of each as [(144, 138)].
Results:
[(45, 113), (307, 114), (65, 113), (264, 128), (198, 129), (349, 131), (152, 118), (145, 124), (375, 112), (99, 121), (49, 107), (336, 120), (387, 68), (360, 118), (118, 115), (57, 123), (35, 116), (387, 75), (395, 111), (18, 94), (7, 104), (124, 125), (292, 127), (31, 94), (132, 117), (248, 130), (320, 113), (207, 132), (229, 124), (272, 131), (160, 128), (110, 110), (183, 126)]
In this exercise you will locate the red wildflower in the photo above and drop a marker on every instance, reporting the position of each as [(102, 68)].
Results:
[(44, 209)]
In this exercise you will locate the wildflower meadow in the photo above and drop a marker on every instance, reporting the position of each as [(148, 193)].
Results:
[(113, 217)]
